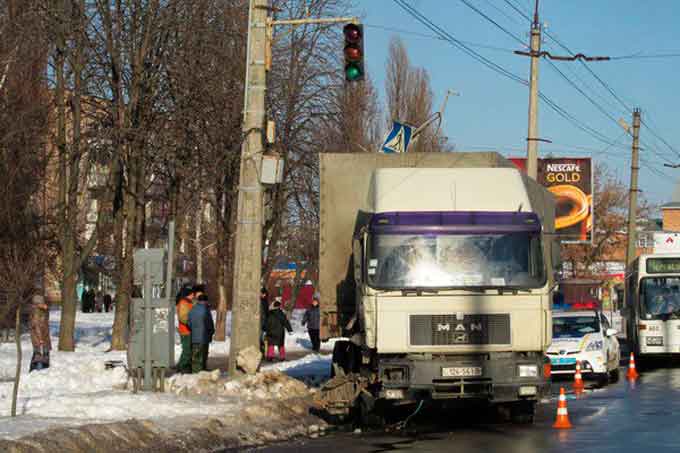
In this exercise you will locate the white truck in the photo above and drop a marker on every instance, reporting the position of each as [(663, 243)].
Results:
[(437, 269)]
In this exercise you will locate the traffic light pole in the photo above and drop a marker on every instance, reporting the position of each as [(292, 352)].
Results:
[(248, 249), (245, 331)]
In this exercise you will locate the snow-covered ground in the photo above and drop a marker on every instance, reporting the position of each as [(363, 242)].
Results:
[(77, 388)]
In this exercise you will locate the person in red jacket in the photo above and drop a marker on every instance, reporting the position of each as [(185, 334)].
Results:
[(183, 307)]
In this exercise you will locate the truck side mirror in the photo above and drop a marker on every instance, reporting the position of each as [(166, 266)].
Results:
[(357, 259)]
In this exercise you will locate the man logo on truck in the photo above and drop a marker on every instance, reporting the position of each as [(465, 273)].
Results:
[(443, 327)]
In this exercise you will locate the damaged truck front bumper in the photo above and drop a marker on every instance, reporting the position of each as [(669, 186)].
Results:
[(495, 377)]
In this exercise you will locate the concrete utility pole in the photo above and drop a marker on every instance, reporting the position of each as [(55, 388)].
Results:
[(245, 321), (632, 199), (248, 259), (532, 134)]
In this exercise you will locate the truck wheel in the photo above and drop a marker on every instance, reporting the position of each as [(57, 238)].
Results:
[(522, 412), (369, 413), (344, 356), (614, 375), (601, 379)]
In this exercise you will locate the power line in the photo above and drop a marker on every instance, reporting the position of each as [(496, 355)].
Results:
[(551, 103), (502, 12), (499, 26), (603, 83), (438, 38), (518, 10), (501, 70), (638, 56), (457, 43)]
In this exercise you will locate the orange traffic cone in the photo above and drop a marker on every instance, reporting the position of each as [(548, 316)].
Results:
[(562, 420), (578, 379), (632, 372)]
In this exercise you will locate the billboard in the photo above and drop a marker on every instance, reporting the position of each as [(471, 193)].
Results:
[(570, 179)]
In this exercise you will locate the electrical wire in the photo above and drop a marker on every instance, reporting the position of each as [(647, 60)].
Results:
[(506, 73), (438, 38), (604, 84), (458, 44), (638, 56), (499, 26)]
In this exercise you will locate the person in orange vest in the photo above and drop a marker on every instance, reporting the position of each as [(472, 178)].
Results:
[(183, 307)]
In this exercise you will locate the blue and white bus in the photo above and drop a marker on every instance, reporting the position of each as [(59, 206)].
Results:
[(653, 305)]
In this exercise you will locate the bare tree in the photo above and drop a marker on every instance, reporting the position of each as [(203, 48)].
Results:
[(610, 217), (409, 97), (23, 158)]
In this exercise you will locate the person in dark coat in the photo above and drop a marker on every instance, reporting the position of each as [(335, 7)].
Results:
[(264, 310), (312, 319), (202, 331), (277, 324), (108, 300)]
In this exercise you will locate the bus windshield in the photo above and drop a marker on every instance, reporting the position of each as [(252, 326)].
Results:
[(660, 297), (574, 326), (403, 261)]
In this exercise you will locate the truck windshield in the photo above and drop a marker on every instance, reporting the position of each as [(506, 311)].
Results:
[(574, 326), (660, 297), (398, 261)]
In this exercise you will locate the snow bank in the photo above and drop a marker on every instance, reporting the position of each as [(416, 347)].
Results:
[(77, 388)]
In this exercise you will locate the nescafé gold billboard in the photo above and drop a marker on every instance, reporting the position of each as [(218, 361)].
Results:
[(570, 179)]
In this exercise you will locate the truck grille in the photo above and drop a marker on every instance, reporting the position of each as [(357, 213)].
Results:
[(436, 330)]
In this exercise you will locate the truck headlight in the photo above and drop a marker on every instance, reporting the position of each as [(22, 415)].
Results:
[(527, 371), (595, 345)]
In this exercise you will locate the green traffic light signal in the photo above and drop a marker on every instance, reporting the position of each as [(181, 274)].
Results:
[(352, 73), (354, 52)]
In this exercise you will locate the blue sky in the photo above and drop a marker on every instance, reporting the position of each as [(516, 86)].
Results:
[(491, 112)]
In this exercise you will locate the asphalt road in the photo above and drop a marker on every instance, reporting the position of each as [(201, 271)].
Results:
[(643, 417)]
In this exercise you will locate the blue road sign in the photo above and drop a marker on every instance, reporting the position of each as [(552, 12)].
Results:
[(398, 139)]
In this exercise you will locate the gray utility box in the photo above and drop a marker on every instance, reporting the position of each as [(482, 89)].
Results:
[(151, 350)]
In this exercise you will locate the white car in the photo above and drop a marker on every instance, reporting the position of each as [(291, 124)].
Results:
[(585, 336)]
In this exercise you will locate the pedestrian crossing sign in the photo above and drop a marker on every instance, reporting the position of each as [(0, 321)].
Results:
[(397, 139)]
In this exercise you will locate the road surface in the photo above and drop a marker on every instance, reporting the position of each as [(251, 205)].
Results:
[(642, 417)]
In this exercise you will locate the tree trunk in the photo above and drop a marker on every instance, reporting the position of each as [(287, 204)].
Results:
[(68, 311), (120, 322), (198, 242), (17, 375), (221, 321)]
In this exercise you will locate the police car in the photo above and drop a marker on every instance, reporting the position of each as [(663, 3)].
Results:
[(586, 336)]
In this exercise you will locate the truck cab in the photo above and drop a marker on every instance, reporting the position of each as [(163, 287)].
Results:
[(452, 288)]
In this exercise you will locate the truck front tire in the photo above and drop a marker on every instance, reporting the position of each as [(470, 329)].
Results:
[(345, 357)]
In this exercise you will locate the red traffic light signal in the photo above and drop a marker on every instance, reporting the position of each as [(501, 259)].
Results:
[(354, 52)]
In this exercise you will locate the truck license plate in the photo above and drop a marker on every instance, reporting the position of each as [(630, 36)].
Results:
[(465, 371)]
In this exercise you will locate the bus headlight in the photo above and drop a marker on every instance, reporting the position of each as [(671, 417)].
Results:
[(595, 345)]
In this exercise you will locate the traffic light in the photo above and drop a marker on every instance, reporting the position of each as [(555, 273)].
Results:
[(354, 52)]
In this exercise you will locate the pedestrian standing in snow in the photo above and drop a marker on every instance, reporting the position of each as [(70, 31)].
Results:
[(264, 310), (312, 319), (98, 302), (202, 331), (108, 300), (277, 324), (183, 307), (40, 334)]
